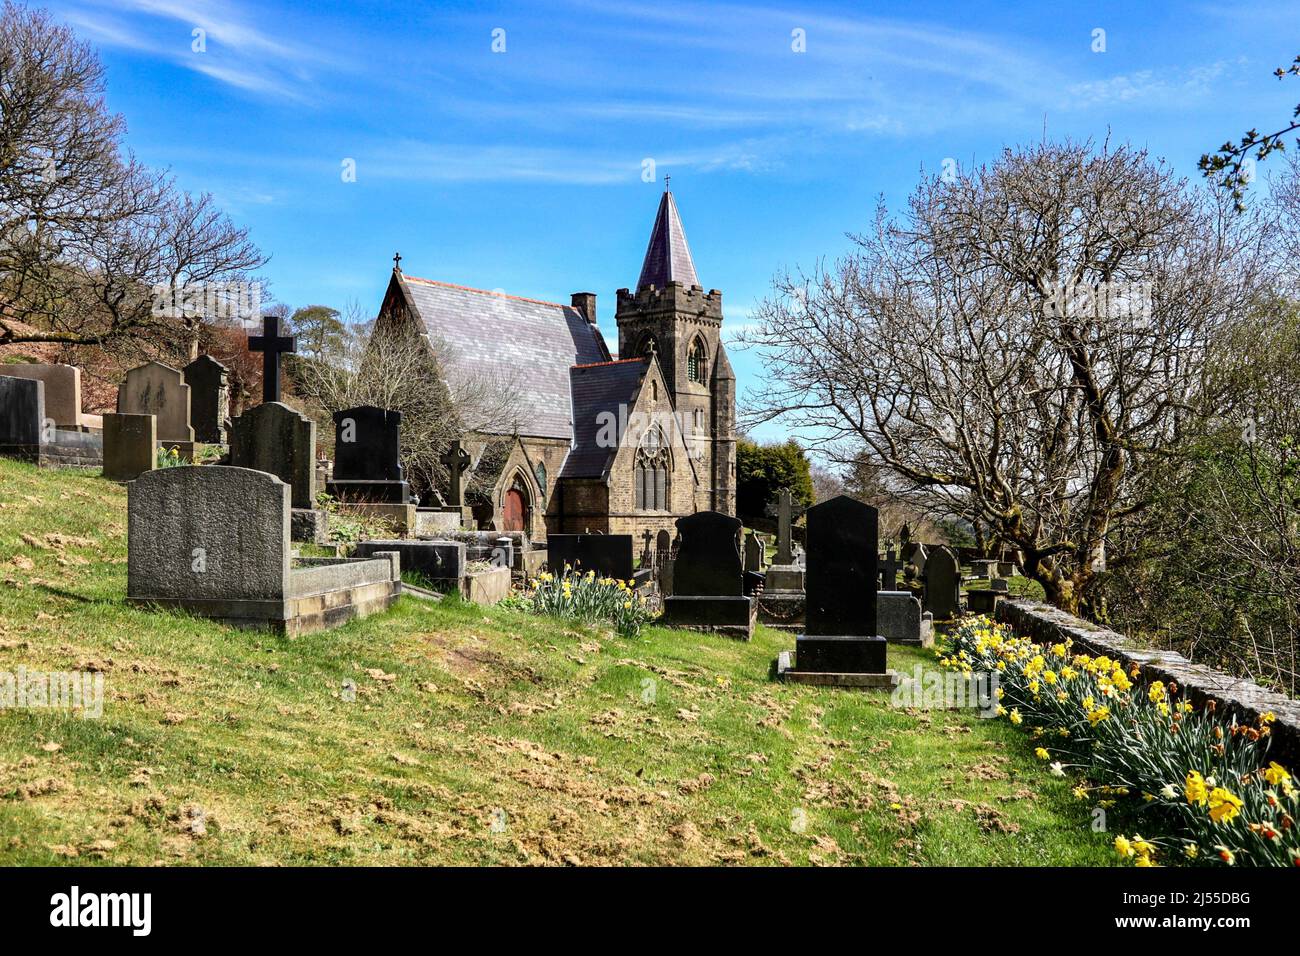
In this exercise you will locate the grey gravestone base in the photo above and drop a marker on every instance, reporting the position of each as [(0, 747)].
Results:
[(782, 610), (785, 672), (728, 615)]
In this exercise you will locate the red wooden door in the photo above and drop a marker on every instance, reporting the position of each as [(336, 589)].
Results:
[(516, 511)]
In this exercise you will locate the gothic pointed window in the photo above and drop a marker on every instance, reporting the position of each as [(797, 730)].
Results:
[(650, 472), (696, 362)]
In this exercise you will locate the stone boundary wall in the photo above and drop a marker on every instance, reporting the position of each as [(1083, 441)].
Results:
[(1236, 696)]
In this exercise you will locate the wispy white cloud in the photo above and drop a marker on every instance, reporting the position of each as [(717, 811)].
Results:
[(1168, 87), (227, 47)]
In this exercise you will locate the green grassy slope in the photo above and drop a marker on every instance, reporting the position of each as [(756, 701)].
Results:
[(474, 736)]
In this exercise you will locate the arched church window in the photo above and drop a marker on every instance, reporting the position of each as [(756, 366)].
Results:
[(695, 362), (650, 481)]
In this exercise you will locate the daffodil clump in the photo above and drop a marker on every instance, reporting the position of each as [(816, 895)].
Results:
[(1204, 781), (591, 599)]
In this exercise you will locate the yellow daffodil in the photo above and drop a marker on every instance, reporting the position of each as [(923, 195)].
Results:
[(1194, 788), (1276, 773), (1224, 806)]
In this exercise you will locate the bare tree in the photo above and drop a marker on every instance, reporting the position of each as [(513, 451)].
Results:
[(88, 236), (1018, 346)]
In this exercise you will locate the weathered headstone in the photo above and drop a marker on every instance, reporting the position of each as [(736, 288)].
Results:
[(984, 568), (457, 460), (215, 541), (367, 457), (130, 445), (707, 577), (784, 574), (219, 534), (942, 584), (985, 601), (29, 434), (62, 392), (901, 619), (784, 536), (209, 399), (841, 645), (276, 439), (159, 390), (754, 553)]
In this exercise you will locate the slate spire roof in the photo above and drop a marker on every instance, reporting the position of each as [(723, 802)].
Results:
[(667, 257)]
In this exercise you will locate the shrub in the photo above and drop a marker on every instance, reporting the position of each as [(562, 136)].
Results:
[(1205, 782)]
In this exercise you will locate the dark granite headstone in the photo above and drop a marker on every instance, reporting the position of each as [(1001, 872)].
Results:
[(708, 562), (754, 553), (22, 411), (439, 561), (609, 555), (274, 438), (209, 399), (942, 584), (841, 635), (367, 457), (707, 578), (367, 444), (842, 571)]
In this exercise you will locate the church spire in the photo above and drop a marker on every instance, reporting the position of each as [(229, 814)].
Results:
[(667, 257)]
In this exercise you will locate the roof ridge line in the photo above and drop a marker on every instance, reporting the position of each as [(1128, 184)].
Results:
[(641, 358), (470, 288)]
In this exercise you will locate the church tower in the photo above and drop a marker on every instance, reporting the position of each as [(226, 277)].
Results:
[(672, 316)]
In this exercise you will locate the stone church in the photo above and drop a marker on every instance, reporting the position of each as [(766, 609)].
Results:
[(598, 444)]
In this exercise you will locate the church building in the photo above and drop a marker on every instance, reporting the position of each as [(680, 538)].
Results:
[(597, 444)]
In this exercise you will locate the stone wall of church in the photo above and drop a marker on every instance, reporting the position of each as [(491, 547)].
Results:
[(579, 506), (687, 486), (550, 452), (675, 319)]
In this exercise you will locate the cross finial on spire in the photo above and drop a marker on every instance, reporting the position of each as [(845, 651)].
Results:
[(397, 261), (667, 180)]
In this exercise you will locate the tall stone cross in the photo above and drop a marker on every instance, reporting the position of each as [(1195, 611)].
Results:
[(783, 553), (457, 460), (272, 345)]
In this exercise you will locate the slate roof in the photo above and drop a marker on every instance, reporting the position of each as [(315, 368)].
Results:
[(597, 388), (667, 257), (510, 339)]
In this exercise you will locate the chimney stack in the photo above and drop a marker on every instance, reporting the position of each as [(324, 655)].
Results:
[(585, 302)]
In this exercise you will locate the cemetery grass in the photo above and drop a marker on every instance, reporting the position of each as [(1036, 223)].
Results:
[(477, 736)]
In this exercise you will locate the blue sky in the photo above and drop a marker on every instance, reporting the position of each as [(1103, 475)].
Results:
[(522, 170)]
